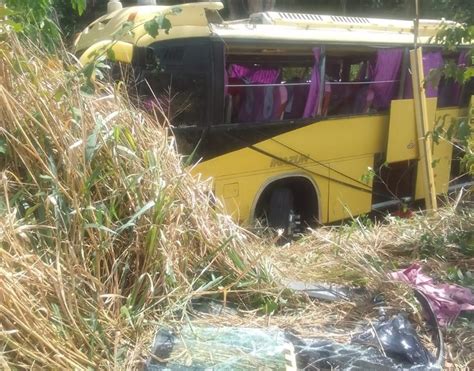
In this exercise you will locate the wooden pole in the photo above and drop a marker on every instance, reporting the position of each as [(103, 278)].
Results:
[(422, 128), (421, 113)]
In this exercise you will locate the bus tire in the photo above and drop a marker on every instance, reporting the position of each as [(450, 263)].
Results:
[(280, 208)]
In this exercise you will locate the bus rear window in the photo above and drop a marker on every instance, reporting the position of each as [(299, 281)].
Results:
[(181, 98), (177, 87)]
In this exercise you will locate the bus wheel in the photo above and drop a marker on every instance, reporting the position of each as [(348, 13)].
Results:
[(280, 209)]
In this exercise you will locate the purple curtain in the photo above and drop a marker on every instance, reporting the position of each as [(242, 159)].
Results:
[(257, 101), (450, 90), (314, 88), (255, 75), (431, 60), (387, 71)]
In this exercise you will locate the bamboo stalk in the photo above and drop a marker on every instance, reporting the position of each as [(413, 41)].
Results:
[(421, 113)]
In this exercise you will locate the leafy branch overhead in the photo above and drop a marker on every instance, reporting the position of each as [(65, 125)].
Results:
[(38, 19), (153, 26), (452, 38), (79, 6), (161, 22), (457, 131)]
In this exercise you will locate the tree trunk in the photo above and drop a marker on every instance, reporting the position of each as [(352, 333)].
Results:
[(235, 8), (256, 6), (243, 8), (410, 8), (344, 7)]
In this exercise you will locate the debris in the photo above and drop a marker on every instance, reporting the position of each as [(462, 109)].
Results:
[(447, 300), (322, 291), (398, 340), (213, 307), (323, 354), (225, 348)]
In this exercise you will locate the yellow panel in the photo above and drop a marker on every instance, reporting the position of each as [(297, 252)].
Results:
[(346, 201), (242, 205), (442, 156), (339, 141), (230, 190), (402, 138)]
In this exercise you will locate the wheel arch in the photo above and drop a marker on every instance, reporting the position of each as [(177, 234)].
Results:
[(272, 181)]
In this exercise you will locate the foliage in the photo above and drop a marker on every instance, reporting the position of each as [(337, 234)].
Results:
[(461, 10), (458, 131), (38, 19), (154, 25), (103, 234)]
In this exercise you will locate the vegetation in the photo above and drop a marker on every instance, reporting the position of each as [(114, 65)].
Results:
[(102, 231), (40, 20)]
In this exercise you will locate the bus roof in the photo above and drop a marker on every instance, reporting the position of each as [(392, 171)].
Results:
[(329, 29), (202, 20)]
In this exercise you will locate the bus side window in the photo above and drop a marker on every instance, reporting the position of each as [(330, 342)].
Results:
[(451, 93), (254, 92), (267, 88), (363, 83)]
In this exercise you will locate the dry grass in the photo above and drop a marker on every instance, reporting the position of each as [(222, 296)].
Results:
[(103, 234), (361, 254)]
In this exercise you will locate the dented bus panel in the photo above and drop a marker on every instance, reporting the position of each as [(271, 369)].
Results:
[(300, 115)]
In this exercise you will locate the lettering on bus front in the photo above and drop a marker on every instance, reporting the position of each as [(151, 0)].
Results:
[(293, 160)]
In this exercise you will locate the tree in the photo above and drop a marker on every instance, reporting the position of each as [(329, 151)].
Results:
[(243, 8), (39, 20)]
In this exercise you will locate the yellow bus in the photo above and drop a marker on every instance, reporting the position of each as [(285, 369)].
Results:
[(294, 116)]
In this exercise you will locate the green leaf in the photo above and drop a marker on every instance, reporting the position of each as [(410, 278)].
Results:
[(4, 12), (270, 306), (111, 54), (3, 146), (136, 216), (88, 70), (176, 10), (76, 115), (166, 25), (79, 6), (60, 92), (100, 228), (152, 27), (91, 145)]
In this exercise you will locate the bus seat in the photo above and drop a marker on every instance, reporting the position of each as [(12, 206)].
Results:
[(297, 97), (363, 100), (228, 109), (340, 101), (326, 99), (237, 94), (263, 103), (280, 100)]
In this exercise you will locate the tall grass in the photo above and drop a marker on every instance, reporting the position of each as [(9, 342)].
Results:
[(103, 233)]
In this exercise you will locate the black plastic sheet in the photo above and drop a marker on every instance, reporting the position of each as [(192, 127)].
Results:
[(388, 345)]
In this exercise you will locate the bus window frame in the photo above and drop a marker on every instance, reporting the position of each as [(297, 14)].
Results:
[(214, 72), (324, 54), (216, 102)]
